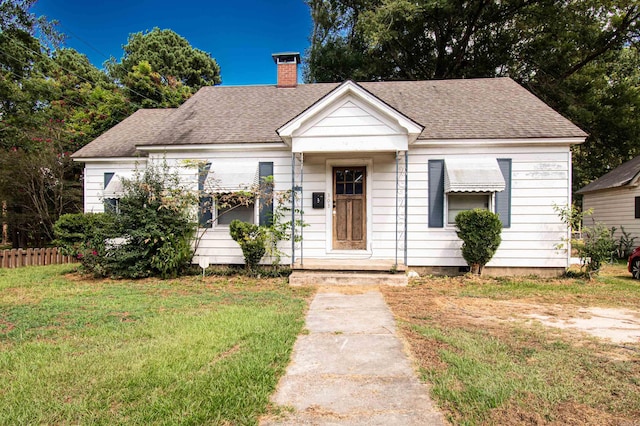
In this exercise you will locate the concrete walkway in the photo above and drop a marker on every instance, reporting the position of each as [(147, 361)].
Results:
[(351, 369)]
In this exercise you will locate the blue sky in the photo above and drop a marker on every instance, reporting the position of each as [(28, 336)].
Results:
[(240, 34)]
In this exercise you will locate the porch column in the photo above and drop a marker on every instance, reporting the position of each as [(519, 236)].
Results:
[(406, 205), (402, 185), (294, 209)]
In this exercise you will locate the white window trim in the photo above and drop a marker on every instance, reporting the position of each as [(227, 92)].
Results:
[(445, 212), (256, 218)]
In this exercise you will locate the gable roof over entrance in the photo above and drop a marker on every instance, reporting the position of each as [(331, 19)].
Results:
[(492, 108), (346, 113)]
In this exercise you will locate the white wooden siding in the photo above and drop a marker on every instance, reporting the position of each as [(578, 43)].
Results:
[(215, 242), (349, 125), (615, 207), (94, 180), (540, 179), (349, 119)]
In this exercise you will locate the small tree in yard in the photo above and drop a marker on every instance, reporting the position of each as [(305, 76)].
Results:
[(157, 223), (594, 244), (595, 248), (480, 232)]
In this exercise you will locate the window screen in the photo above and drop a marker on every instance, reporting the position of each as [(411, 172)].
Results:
[(242, 213), (457, 202)]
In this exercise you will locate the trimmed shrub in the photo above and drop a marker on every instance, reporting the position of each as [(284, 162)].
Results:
[(252, 240), (80, 234), (480, 232)]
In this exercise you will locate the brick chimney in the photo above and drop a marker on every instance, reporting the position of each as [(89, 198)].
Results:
[(287, 63)]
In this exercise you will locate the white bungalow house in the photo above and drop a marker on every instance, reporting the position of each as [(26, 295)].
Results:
[(615, 198), (380, 168)]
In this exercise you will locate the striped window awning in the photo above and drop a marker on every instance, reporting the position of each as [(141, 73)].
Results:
[(114, 188), (231, 177), (472, 175)]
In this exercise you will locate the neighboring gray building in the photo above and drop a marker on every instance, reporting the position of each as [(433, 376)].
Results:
[(615, 198)]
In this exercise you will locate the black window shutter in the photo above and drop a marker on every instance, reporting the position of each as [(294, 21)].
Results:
[(266, 194), (205, 215), (503, 198), (436, 193), (637, 207)]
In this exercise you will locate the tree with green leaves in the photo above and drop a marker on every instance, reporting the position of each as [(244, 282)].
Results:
[(52, 102), (170, 56), (424, 39), (149, 90), (578, 56)]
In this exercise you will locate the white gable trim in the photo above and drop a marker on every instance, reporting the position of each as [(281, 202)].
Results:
[(399, 126), (633, 182)]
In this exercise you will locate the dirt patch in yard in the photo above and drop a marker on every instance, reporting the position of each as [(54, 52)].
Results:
[(612, 334), (616, 325)]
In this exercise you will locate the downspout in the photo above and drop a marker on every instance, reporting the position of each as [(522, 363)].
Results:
[(570, 203), (397, 207), (301, 209), (293, 209), (406, 205)]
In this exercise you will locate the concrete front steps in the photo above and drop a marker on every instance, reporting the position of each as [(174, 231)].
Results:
[(328, 272)]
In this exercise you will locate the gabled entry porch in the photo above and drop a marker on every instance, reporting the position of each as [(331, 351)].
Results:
[(349, 176)]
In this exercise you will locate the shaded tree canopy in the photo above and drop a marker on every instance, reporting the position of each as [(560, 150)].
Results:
[(170, 56), (426, 39), (53, 101), (579, 56)]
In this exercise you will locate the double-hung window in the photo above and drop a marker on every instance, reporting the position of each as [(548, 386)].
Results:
[(230, 207), (229, 190), (465, 183), (113, 191), (461, 201)]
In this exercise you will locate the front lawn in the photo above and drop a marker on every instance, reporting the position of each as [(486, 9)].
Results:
[(77, 351), (488, 363)]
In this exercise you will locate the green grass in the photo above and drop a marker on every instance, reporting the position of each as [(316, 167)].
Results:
[(526, 368), (614, 287), (144, 352), (506, 372)]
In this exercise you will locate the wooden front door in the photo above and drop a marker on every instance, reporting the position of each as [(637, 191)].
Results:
[(349, 208)]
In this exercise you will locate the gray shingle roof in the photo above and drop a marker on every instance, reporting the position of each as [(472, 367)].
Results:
[(620, 176), (495, 108), (488, 108), (140, 128)]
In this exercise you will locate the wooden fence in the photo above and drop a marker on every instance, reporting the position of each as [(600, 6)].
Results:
[(17, 258)]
